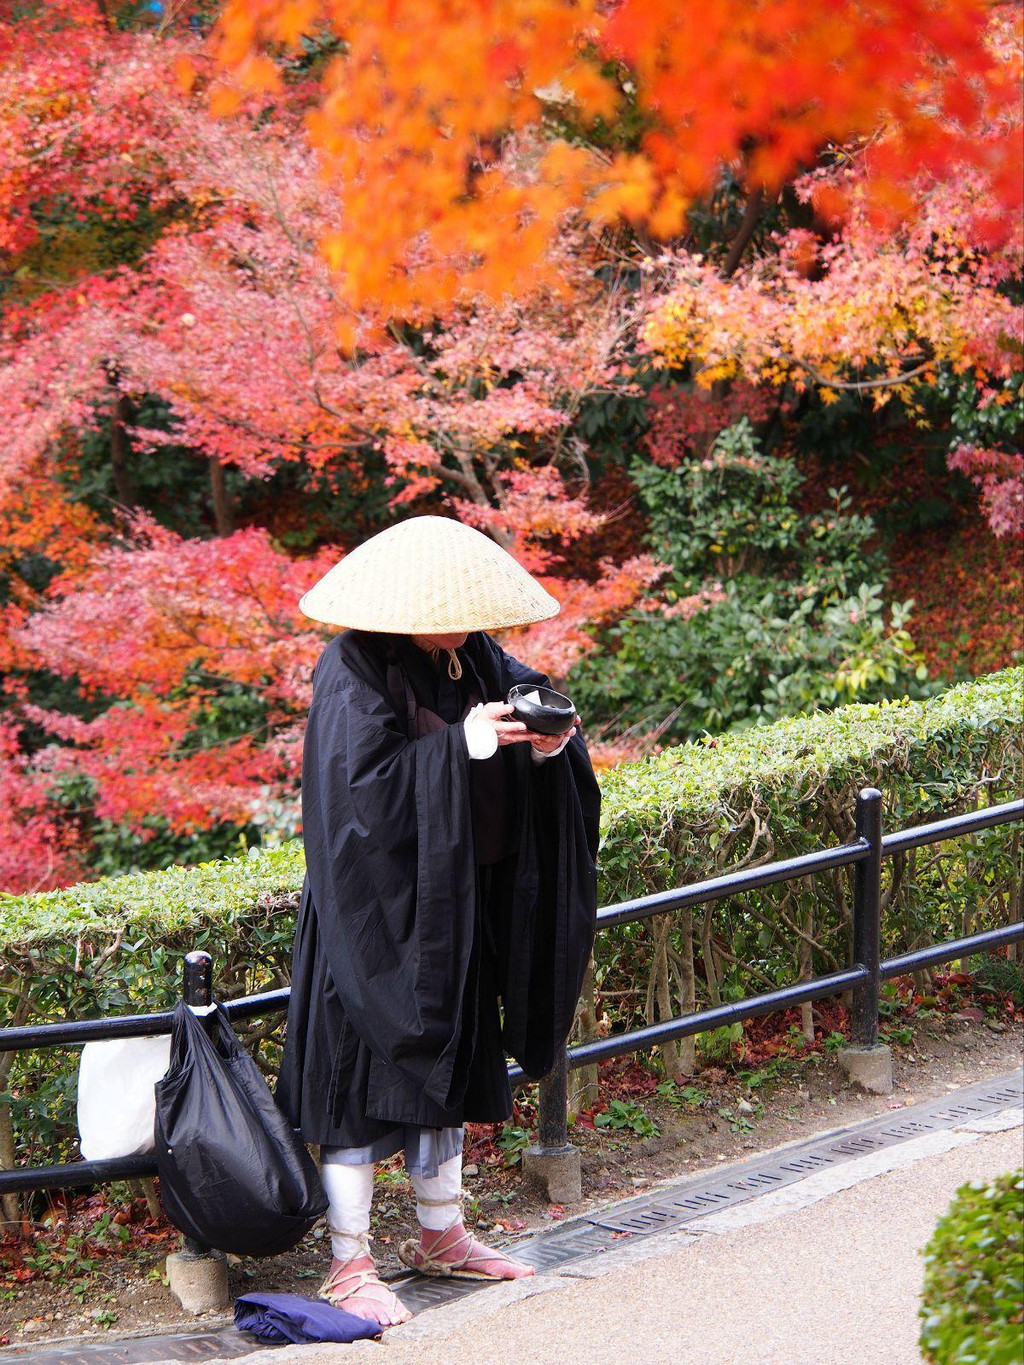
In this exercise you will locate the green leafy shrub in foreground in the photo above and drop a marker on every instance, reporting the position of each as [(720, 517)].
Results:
[(973, 1296)]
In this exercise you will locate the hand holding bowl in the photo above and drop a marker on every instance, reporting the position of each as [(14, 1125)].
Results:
[(542, 709)]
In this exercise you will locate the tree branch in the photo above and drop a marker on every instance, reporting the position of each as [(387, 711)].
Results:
[(744, 234), (858, 385)]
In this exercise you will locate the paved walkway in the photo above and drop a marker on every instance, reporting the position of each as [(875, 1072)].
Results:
[(821, 1273)]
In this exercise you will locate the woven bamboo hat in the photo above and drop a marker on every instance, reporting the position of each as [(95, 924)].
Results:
[(428, 576)]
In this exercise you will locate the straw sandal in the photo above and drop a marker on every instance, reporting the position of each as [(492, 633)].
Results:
[(419, 1253), (343, 1286)]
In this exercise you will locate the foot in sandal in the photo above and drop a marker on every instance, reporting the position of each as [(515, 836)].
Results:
[(457, 1254), (355, 1286)]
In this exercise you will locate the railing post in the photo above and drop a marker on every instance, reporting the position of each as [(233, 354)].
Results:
[(867, 917), (197, 979), (197, 992), (554, 1163), (197, 1276), (868, 1063), (553, 1105)]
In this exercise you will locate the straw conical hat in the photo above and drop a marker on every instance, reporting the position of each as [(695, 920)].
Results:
[(428, 576)]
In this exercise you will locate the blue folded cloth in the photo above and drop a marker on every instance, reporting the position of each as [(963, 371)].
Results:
[(283, 1318)]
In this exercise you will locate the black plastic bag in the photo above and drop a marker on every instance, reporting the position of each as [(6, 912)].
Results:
[(233, 1173)]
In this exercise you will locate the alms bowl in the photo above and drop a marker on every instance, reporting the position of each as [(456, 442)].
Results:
[(542, 709)]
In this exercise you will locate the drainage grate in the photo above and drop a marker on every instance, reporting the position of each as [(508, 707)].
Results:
[(673, 1208), (670, 1208), (224, 1344), (647, 1218), (555, 1250), (805, 1164), (755, 1182), (1009, 1094), (910, 1129)]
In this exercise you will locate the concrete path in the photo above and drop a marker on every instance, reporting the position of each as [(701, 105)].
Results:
[(824, 1272)]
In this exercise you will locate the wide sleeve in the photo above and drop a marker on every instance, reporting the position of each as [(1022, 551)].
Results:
[(388, 839), (554, 906)]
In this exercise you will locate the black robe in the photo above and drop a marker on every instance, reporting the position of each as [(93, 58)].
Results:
[(404, 943)]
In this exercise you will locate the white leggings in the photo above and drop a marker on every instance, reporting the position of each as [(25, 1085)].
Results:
[(350, 1191)]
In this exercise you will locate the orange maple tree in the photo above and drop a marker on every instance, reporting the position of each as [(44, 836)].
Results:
[(460, 132)]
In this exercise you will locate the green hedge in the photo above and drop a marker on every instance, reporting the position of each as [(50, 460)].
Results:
[(789, 787), (784, 789), (115, 945), (972, 1301)]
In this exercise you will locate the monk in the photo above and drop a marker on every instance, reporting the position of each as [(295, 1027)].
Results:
[(448, 910)]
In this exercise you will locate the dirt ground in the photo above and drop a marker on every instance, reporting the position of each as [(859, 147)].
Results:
[(79, 1276)]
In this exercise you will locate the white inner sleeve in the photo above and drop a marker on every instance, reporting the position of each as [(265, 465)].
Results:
[(481, 736), (539, 756)]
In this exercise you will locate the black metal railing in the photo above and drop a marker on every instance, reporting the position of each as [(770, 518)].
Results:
[(865, 853), (864, 976)]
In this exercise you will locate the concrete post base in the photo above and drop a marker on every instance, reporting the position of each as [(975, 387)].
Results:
[(870, 1068), (199, 1283), (557, 1173)]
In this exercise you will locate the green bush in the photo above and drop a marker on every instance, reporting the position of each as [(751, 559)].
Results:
[(770, 612), (972, 1301), (115, 945), (1001, 976)]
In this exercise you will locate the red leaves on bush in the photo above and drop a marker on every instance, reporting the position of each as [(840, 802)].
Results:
[(78, 1228)]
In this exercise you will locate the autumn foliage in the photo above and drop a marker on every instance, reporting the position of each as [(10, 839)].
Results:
[(162, 625), (429, 116), (878, 307), (268, 286)]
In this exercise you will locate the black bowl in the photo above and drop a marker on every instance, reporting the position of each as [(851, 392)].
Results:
[(552, 715)]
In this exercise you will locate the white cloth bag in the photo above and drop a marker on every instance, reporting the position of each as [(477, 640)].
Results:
[(116, 1103)]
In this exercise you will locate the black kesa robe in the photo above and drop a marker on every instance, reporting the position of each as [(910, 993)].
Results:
[(404, 942)]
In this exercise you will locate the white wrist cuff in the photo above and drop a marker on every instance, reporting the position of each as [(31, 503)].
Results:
[(481, 736), (539, 756)]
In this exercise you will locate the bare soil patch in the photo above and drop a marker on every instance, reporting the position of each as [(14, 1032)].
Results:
[(93, 1264)]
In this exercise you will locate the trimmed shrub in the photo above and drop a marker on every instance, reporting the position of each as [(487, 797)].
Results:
[(114, 946), (784, 789), (972, 1301)]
